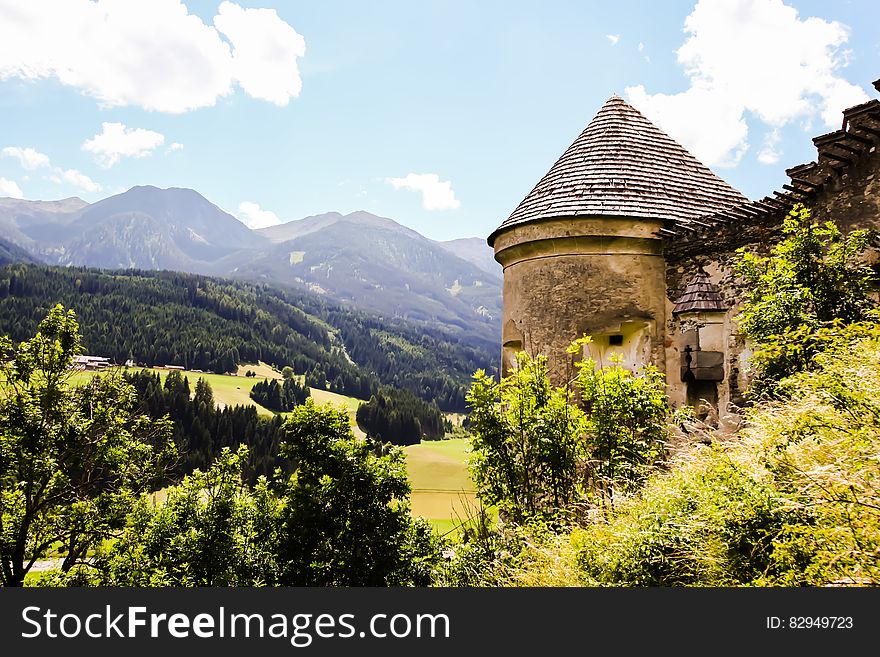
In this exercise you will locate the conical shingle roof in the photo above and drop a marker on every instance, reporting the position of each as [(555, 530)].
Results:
[(624, 165), (699, 295)]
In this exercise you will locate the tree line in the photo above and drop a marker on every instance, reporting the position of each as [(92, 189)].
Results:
[(202, 323), (399, 420), (279, 397), (200, 430), (78, 462)]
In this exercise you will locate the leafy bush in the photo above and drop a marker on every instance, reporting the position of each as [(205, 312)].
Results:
[(212, 530), (342, 518), (707, 522), (813, 279), (346, 518), (536, 553), (626, 418), (527, 441), (821, 446)]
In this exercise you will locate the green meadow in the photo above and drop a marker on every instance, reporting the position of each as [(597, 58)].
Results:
[(442, 491), (235, 390)]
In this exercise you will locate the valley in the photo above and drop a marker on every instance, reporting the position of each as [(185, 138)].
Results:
[(359, 260), (357, 305), (442, 491)]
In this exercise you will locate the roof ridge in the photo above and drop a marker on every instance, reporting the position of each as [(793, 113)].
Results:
[(618, 146), (699, 295)]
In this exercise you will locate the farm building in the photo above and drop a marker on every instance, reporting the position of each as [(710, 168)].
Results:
[(91, 363)]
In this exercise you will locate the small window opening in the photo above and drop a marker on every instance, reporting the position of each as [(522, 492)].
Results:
[(615, 340)]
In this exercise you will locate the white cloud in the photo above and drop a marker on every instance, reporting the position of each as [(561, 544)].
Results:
[(436, 194), (27, 157), (613, 38), (10, 188), (264, 52), (252, 216), (31, 159), (116, 141), (714, 130), (754, 56), (769, 153), (155, 55), (175, 146), (641, 47), (79, 179)]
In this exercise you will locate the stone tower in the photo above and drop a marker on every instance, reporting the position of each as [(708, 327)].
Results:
[(583, 251)]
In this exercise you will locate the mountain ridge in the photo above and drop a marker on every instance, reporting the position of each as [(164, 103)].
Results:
[(359, 258)]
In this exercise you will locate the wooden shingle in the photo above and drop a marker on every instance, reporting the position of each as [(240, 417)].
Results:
[(624, 165), (699, 295)]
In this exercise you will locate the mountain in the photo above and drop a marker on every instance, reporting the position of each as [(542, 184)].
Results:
[(476, 251), (373, 262), (11, 252), (359, 259), (364, 220), (18, 217), (145, 227), (160, 318)]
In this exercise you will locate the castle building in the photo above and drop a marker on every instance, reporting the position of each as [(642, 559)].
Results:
[(630, 239)]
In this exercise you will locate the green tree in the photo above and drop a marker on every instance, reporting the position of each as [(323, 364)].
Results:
[(212, 530), (279, 398), (287, 372), (527, 441), (345, 517), (626, 422), (204, 395), (814, 279), (342, 518), (72, 460)]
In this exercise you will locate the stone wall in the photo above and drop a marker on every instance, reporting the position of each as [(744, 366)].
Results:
[(569, 277), (848, 196)]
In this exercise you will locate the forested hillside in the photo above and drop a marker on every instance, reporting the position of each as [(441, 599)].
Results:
[(160, 318), (201, 430), (369, 262), (11, 252)]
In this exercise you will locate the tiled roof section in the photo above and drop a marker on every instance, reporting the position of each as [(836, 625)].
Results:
[(837, 152), (699, 295), (624, 165)]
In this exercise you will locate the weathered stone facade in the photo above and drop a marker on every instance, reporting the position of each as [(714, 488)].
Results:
[(612, 266), (626, 222)]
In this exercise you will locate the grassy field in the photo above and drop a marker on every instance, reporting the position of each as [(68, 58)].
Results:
[(348, 404), (232, 390), (228, 390), (442, 491), (262, 371)]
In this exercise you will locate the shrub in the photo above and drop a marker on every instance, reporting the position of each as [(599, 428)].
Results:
[(821, 445), (815, 278), (708, 522), (626, 418), (342, 518), (527, 441)]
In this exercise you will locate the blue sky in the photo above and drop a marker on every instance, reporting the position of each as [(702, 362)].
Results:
[(440, 115)]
